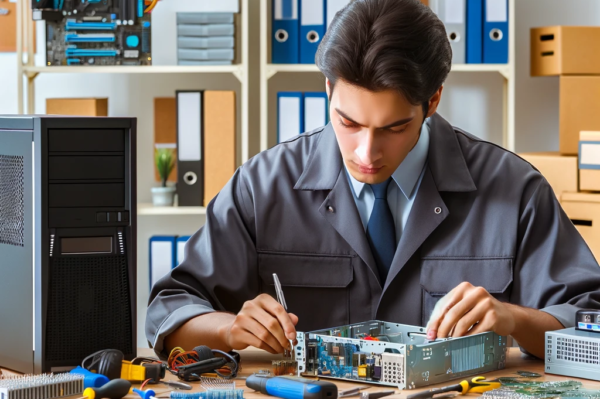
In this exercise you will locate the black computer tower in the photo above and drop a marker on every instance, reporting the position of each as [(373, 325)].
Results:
[(67, 240)]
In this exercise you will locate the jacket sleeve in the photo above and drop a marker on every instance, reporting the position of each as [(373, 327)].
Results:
[(218, 272), (555, 270)]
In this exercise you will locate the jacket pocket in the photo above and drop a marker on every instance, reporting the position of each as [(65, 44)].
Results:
[(440, 275), (315, 286)]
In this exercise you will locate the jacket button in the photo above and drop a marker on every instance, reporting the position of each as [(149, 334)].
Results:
[(437, 210), (330, 209)]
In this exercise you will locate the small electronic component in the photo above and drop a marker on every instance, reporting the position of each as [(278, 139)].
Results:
[(44, 386), (396, 355), (284, 367), (96, 32), (210, 383)]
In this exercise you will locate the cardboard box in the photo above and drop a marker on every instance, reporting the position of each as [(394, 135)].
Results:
[(8, 27), (165, 130), (584, 211), (579, 109), (589, 161), (559, 170), (565, 50), (77, 106)]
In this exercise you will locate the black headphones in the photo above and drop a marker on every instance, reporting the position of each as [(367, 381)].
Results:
[(209, 363), (106, 362)]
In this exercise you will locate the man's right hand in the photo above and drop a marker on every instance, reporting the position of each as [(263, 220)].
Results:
[(262, 323)]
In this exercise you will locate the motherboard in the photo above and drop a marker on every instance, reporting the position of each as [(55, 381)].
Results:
[(393, 354), (96, 32)]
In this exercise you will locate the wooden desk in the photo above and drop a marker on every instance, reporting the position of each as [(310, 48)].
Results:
[(254, 360)]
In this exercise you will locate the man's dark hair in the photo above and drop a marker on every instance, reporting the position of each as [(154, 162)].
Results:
[(387, 44)]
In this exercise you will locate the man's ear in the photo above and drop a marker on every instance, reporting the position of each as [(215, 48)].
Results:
[(328, 88), (434, 101)]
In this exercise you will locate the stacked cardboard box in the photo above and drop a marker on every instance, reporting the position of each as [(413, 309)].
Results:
[(573, 54), (205, 38), (77, 106)]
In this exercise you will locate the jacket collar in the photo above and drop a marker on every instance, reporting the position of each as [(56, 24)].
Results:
[(445, 160)]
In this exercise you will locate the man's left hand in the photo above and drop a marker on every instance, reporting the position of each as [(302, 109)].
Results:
[(468, 310)]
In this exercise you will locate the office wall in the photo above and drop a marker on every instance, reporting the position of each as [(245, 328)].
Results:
[(472, 101)]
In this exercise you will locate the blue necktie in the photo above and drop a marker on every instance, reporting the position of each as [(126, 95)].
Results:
[(381, 231)]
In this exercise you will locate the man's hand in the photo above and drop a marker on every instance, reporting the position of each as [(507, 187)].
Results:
[(468, 310), (262, 323)]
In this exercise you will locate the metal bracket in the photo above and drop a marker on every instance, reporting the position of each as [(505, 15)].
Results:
[(239, 74)]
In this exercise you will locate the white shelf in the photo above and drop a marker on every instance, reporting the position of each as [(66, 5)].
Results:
[(136, 69), (502, 69), (151, 210)]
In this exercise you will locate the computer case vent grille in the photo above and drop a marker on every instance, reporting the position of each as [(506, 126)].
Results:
[(12, 200)]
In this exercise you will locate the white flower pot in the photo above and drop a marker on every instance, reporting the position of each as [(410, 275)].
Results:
[(163, 196)]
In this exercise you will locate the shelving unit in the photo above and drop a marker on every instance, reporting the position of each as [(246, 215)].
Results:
[(268, 70), (30, 71)]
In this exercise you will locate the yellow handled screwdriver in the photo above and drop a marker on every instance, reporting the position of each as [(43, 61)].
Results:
[(477, 384)]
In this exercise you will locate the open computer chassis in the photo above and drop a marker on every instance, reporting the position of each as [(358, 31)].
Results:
[(393, 354)]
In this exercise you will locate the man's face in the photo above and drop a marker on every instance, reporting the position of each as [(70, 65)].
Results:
[(375, 130)]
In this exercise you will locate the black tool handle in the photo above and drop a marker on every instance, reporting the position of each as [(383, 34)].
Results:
[(115, 389), (429, 394)]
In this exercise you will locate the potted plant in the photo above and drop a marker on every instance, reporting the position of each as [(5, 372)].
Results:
[(165, 162)]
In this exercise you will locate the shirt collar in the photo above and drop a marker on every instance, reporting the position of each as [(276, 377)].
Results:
[(408, 172)]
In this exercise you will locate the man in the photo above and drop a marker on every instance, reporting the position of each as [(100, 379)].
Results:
[(378, 215)]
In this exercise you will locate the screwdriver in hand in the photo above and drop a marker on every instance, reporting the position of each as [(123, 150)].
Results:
[(115, 389)]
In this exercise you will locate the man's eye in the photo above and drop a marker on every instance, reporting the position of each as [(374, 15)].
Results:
[(347, 123), (402, 130)]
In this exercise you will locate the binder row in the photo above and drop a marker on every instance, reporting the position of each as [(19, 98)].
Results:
[(477, 29), (299, 112), (205, 38), (166, 252), (298, 27)]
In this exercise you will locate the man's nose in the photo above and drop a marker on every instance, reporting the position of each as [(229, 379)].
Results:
[(368, 150)]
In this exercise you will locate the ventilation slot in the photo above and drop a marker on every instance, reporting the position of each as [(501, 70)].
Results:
[(392, 368), (468, 354), (577, 350), (12, 201), (89, 307)]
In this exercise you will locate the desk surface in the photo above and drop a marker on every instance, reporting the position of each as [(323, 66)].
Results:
[(254, 360)]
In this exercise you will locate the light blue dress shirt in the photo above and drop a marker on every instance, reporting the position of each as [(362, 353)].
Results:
[(400, 196)]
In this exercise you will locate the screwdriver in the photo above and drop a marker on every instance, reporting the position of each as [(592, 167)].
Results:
[(115, 389), (477, 384)]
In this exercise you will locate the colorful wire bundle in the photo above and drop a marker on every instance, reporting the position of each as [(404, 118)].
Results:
[(179, 357)]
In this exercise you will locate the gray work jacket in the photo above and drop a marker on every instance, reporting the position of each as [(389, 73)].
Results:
[(481, 215)]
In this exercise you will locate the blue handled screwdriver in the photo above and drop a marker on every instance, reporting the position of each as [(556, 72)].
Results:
[(292, 388)]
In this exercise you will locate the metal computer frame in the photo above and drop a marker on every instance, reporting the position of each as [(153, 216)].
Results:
[(410, 361)]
